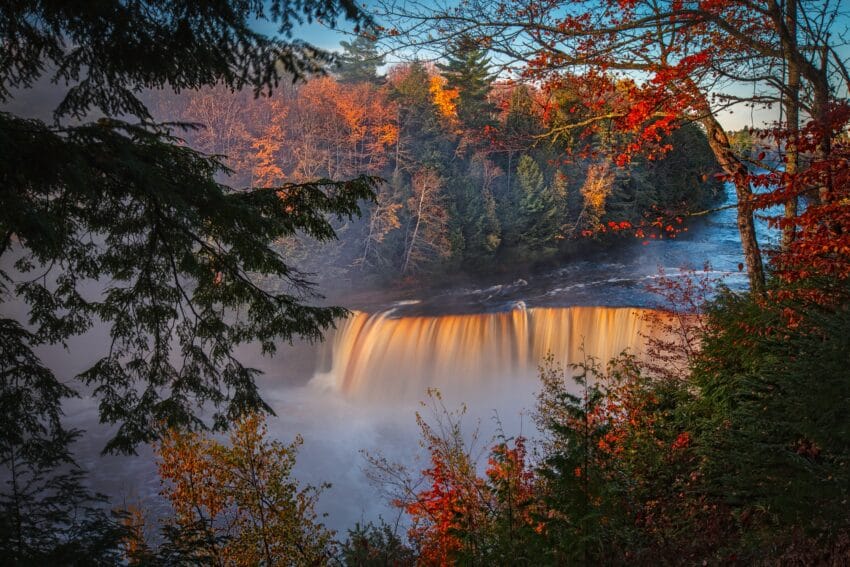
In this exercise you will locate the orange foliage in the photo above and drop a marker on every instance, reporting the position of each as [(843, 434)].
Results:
[(437, 513), (267, 172), (240, 498), (445, 99)]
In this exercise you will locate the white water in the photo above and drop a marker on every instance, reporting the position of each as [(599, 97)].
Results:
[(381, 358)]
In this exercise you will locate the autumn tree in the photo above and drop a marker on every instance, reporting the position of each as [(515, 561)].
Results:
[(456, 515), (426, 237), (512, 534), (223, 131), (619, 480), (594, 193), (266, 172), (680, 52), (445, 98), (237, 504)]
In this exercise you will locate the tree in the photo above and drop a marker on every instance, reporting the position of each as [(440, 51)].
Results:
[(445, 501), (467, 72), (512, 487), (521, 127), (238, 504), (535, 221), (124, 205), (266, 171), (773, 440), (360, 61), (427, 234), (373, 545), (420, 140), (619, 477)]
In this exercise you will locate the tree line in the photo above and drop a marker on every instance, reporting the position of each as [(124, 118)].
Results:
[(470, 175)]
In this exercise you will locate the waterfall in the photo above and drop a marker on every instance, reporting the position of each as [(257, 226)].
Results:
[(379, 357)]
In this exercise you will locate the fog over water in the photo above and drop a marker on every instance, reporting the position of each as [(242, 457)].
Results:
[(479, 343)]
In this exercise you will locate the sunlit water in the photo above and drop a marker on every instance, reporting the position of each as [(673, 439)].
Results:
[(479, 344)]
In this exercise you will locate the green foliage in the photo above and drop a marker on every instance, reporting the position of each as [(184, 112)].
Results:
[(774, 432), (681, 182), (467, 69), (238, 503), (533, 224), (522, 122), (47, 514), (575, 485), (109, 51), (125, 204), (424, 143), (115, 222), (743, 141), (617, 477), (360, 61)]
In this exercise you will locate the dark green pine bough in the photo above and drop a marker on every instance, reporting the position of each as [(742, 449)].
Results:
[(102, 197), (119, 202)]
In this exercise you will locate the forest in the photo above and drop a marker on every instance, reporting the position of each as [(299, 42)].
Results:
[(471, 180), (199, 173)]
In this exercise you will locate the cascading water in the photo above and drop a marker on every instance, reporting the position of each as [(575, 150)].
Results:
[(381, 357)]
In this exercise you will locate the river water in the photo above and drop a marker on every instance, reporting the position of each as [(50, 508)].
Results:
[(479, 343)]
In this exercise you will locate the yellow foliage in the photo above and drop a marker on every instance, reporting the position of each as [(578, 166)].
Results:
[(445, 99), (597, 186), (241, 497)]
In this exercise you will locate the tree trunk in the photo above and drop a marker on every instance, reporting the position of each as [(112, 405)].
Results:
[(821, 112), (415, 231), (792, 121), (732, 165)]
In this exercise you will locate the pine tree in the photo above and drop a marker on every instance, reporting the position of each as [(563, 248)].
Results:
[(421, 139), (360, 61), (536, 223), (467, 70), (121, 201), (47, 515), (522, 122), (773, 427)]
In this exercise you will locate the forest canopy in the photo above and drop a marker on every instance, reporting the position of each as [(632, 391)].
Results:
[(471, 178)]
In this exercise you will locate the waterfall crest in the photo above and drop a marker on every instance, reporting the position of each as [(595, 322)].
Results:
[(376, 356)]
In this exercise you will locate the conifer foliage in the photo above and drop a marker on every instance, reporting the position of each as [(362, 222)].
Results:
[(107, 218), (126, 208)]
